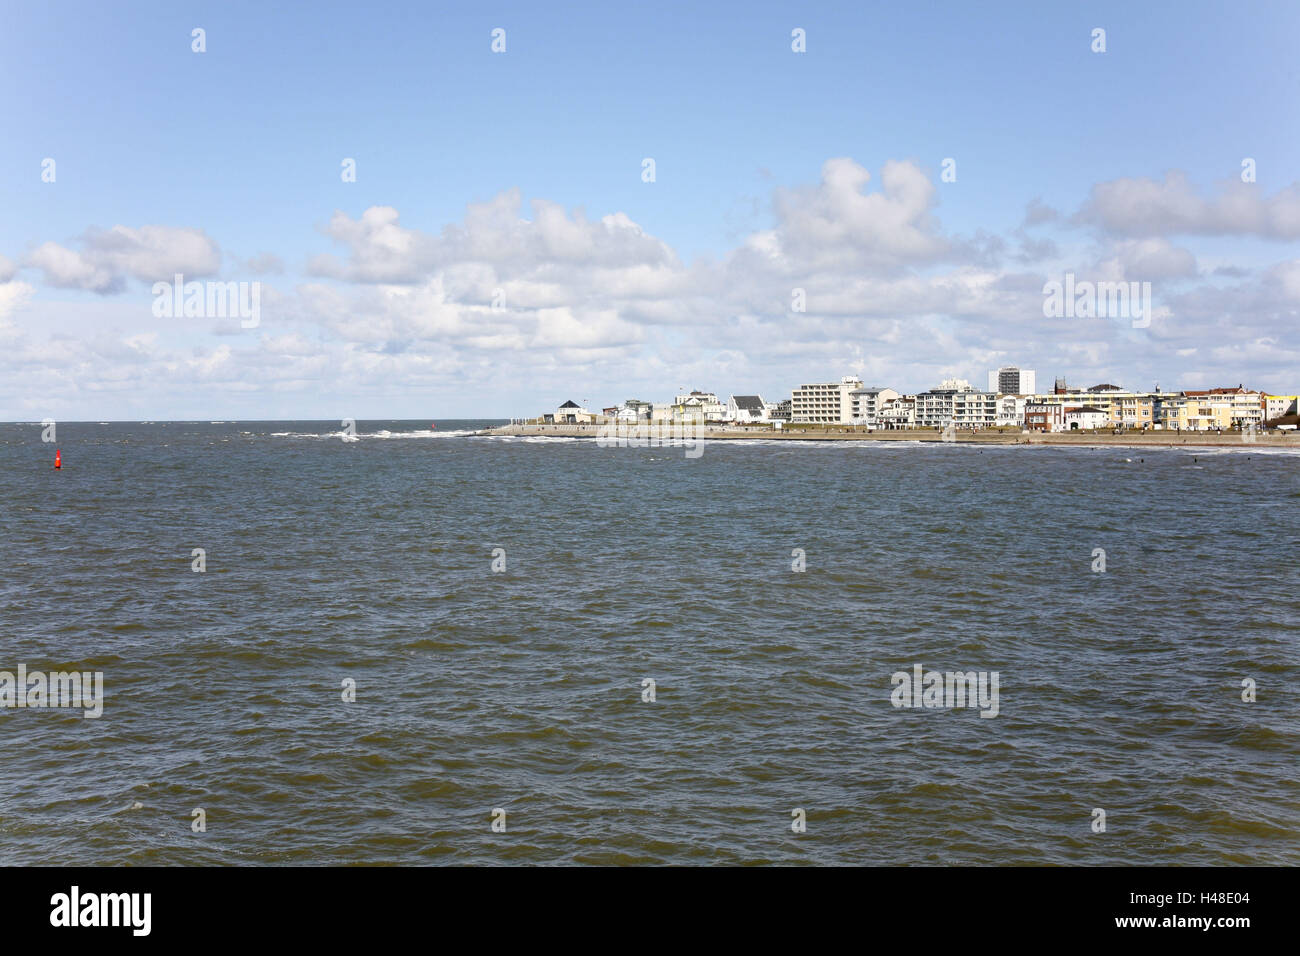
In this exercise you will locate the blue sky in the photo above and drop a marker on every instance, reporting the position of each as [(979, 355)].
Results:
[(240, 148)]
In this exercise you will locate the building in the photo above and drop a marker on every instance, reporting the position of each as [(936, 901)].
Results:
[(934, 409), (974, 410), (824, 403), (1130, 410), (1214, 409), (865, 403), (1123, 409), (1085, 418), (699, 406), (1011, 410), (955, 402), (634, 410), (746, 408), (1041, 416), (571, 413), (898, 413), (780, 411), (1010, 380), (1277, 406)]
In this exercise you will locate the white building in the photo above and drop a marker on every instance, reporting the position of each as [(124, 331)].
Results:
[(865, 405), (974, 410), (940, 406), (699, 406), (571, 413), (747, 408), (1010, 380), (1011, 410), (1275, 406), (898, 413), (824, 404), (634, 410), (1085, 417)]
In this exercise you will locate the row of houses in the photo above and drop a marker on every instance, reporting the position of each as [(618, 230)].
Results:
[(694, 406), (956, 403)]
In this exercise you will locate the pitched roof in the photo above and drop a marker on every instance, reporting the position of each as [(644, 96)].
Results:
[(570, 404), (751, 403)]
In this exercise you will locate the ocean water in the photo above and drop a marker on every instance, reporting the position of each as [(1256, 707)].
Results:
[(370, 561)]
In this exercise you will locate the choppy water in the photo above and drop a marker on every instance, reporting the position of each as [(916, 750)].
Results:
[(371, 560)]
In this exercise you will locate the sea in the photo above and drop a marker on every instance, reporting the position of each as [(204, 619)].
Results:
[(405, 644)]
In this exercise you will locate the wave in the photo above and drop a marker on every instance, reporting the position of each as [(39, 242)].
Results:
[(381, 434)]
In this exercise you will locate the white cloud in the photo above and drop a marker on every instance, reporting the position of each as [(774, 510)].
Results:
[(1145, 207), (601, 302), (106, 258), (1147, 260)]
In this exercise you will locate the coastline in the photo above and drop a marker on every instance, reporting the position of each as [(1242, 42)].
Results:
[(851, 434)]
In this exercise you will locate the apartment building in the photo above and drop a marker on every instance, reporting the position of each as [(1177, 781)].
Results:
[(865, 404), (956, 403), (974, 409), (1010, 410), (934, 408), (1214, 408), (828, 403), (898, 413), (1127, 409), (1275, 406)]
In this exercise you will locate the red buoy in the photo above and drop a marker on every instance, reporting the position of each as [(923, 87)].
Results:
[(58, 459)]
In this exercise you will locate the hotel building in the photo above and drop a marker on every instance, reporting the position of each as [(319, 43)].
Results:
[(824, 404)]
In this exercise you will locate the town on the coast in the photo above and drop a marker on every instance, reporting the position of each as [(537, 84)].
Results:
[(1011, 401)]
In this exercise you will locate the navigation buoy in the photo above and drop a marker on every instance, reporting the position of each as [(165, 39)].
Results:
[(58, 459)]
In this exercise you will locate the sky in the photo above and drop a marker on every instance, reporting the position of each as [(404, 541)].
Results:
[(915, 177)]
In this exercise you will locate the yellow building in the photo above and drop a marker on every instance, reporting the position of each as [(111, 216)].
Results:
[(1215, 408), (1129, 410)]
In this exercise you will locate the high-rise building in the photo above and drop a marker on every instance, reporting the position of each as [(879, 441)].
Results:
[(1010, 380)]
